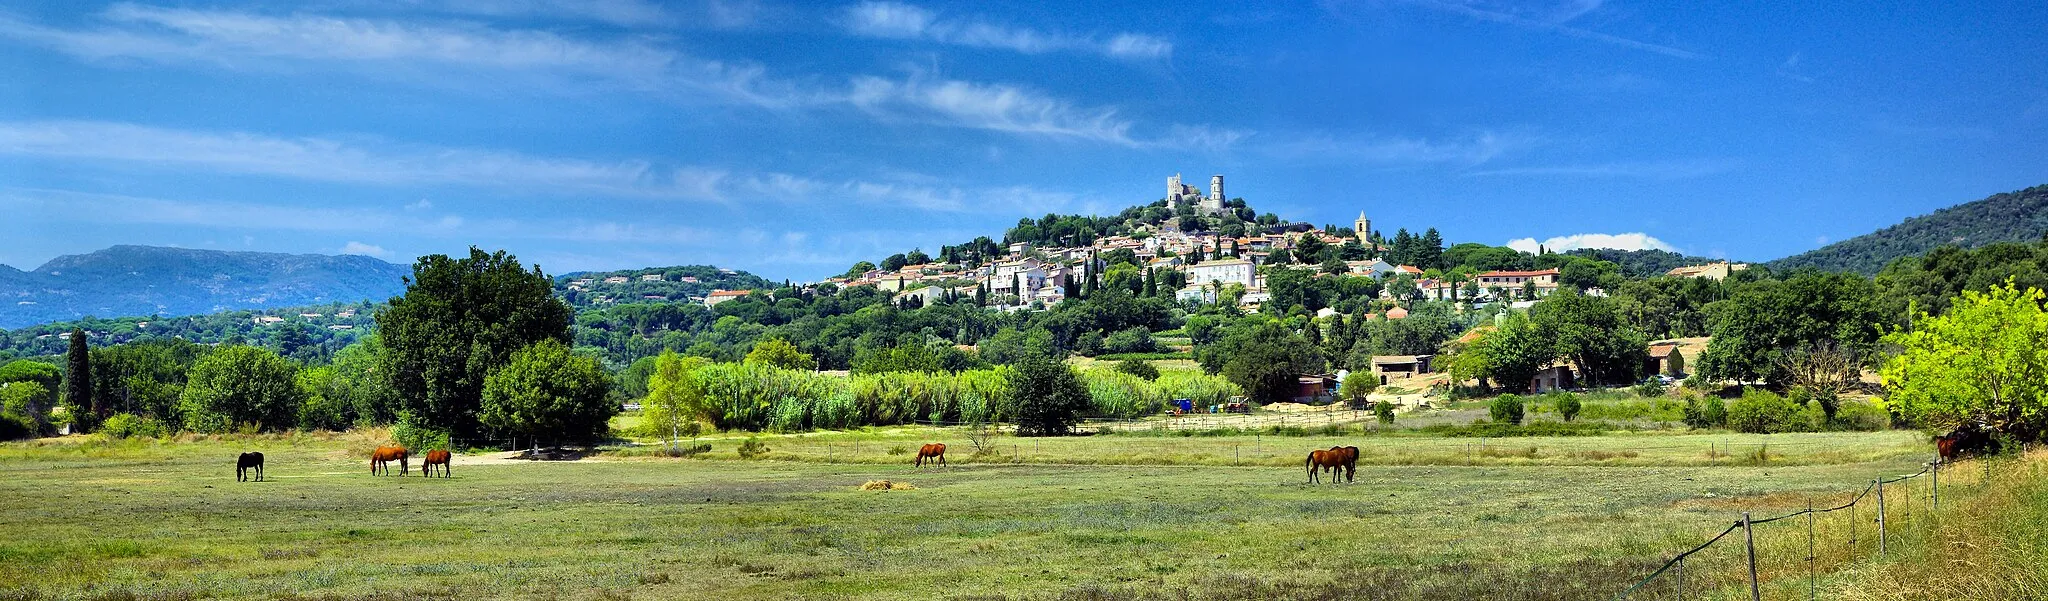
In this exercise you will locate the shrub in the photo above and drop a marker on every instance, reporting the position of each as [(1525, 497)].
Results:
[(419, 438), (1139, 368), (1567, 405), (1049, 396), (1861, 415), (1763, 412), (686, 450), (1506, 409), (1384, 411), (13, 426), (1136, 339), (752, 448), (129, 425), (1706, 412), (1650, 389)]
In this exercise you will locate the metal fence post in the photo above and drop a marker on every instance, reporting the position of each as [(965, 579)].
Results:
[(1812, 576), (1934, 495), (1880, 518), (1681, 578), (1749, 540)]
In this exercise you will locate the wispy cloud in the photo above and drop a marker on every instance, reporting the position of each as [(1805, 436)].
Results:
[(367, 250), (1674, 169), (904, 21), (1555, 19), (988, 106), (1790, 70), (243, 40), (631, 13), (1469, 149), (1628, 241)]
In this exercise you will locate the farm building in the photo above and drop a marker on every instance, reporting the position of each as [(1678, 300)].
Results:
[(1400, 366), (1555, 377), (1660, 359), (1315, 388)]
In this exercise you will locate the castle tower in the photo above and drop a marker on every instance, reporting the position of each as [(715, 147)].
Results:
[(1363, 227), (1216, 189), (1173, 188)]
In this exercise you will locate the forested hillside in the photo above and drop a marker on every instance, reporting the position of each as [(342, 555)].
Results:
[(2020, 216), (151, 280)]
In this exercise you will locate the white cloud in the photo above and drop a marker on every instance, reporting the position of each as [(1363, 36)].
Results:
[(896, 20), (614, 12), (988, 106), (1551, 19), (1628, 241), (368, 250), (242, 40), (1469, 149)]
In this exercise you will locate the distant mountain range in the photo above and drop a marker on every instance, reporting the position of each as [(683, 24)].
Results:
[(2020, 216), (154, 280)]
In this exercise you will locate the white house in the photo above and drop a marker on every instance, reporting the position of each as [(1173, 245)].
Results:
[(1228, 271)]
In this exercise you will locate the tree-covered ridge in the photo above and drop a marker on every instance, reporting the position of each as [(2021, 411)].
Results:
[(1647, 263), (305, 332), (2020, 216), (652, 284), (149, 280)]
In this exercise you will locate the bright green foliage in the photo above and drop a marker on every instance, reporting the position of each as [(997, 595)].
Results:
[(1566, 404), (25, 408), (129, 425), (548, 392), (1384, 411), (1754, 328), (419, 438), (1587, 330), (240, 385), (1357, 386), (776, 352), (326, 408), (1509, 356), (1138, 367), (1505, 409), (1761, 411), (1986, 358), (1706, 412), (144, 378), (1135, 339), (1117, 394), (359, 382), (675, 396), (1201, 388), (1049, 396), (459, 321)]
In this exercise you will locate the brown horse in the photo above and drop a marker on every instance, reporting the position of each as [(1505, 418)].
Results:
[(934, 452), (437, 457), (1968, 440), (1347, 458), (1319, 460), (249, 462), (383, 456)]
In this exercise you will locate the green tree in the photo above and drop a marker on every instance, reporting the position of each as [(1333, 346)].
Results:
[(1511, 355), (1138, 367), (1760, 321), (1985, 359), (1264, 357), (1506, 409), (459, 321), (327, 405), (776, 352), (547, 391), (78, 401), (31, 387), (241, 385), (1589, 331), (1049, 395), (675, 396), (359, 380), (1357, 386)]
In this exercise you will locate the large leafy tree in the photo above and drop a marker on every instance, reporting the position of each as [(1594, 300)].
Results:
[(675, 395), (241, 385), (1049, 396), (776, 352), (1589, 331), (1263, 356), (144, 377), (1761, 321), (545, 391), (1509, 355), (460, 320), (1985, 359)]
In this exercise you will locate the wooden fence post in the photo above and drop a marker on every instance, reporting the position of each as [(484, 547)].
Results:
[(1681, 579), (1934, 496), (1880, 518), (1749, 540)]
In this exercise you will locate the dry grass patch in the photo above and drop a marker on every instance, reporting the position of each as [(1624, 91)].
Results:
[(886, 485)]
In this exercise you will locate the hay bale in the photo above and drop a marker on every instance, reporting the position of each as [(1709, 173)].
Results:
[(886, 485)]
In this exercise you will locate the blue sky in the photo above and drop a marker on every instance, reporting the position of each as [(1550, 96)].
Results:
[(792, 139)]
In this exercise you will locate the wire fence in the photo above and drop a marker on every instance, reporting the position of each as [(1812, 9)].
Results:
[(1833, 537)]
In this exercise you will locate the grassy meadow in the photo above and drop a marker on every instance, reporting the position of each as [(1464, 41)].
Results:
[(1098, 517)]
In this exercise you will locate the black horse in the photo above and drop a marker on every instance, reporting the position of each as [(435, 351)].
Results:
[(248, 462)]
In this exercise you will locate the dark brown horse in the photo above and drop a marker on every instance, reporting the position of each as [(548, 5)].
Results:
[(437, 457), (931, 452), (247, 463), (1347, 458), (1969, 440), (1319, 460), (383, 456)]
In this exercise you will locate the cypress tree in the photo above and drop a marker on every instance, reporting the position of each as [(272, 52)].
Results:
[(78, 384)]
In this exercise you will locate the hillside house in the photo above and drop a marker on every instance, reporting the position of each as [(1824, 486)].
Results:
[(617, 279), (1228, 271), (1400, 366), (1711, 271), (652, 277), (1512, 282), (720, 296)]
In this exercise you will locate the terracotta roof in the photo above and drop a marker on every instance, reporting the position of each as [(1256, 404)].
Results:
[(721, 293), (1518, 274), (1660, 352)]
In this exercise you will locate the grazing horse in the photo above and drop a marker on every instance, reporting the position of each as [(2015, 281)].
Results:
[(383, 456), (249, 462), (1347, 462), (1319, 460), (1969, 440), (437, 457), (933, 452)]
